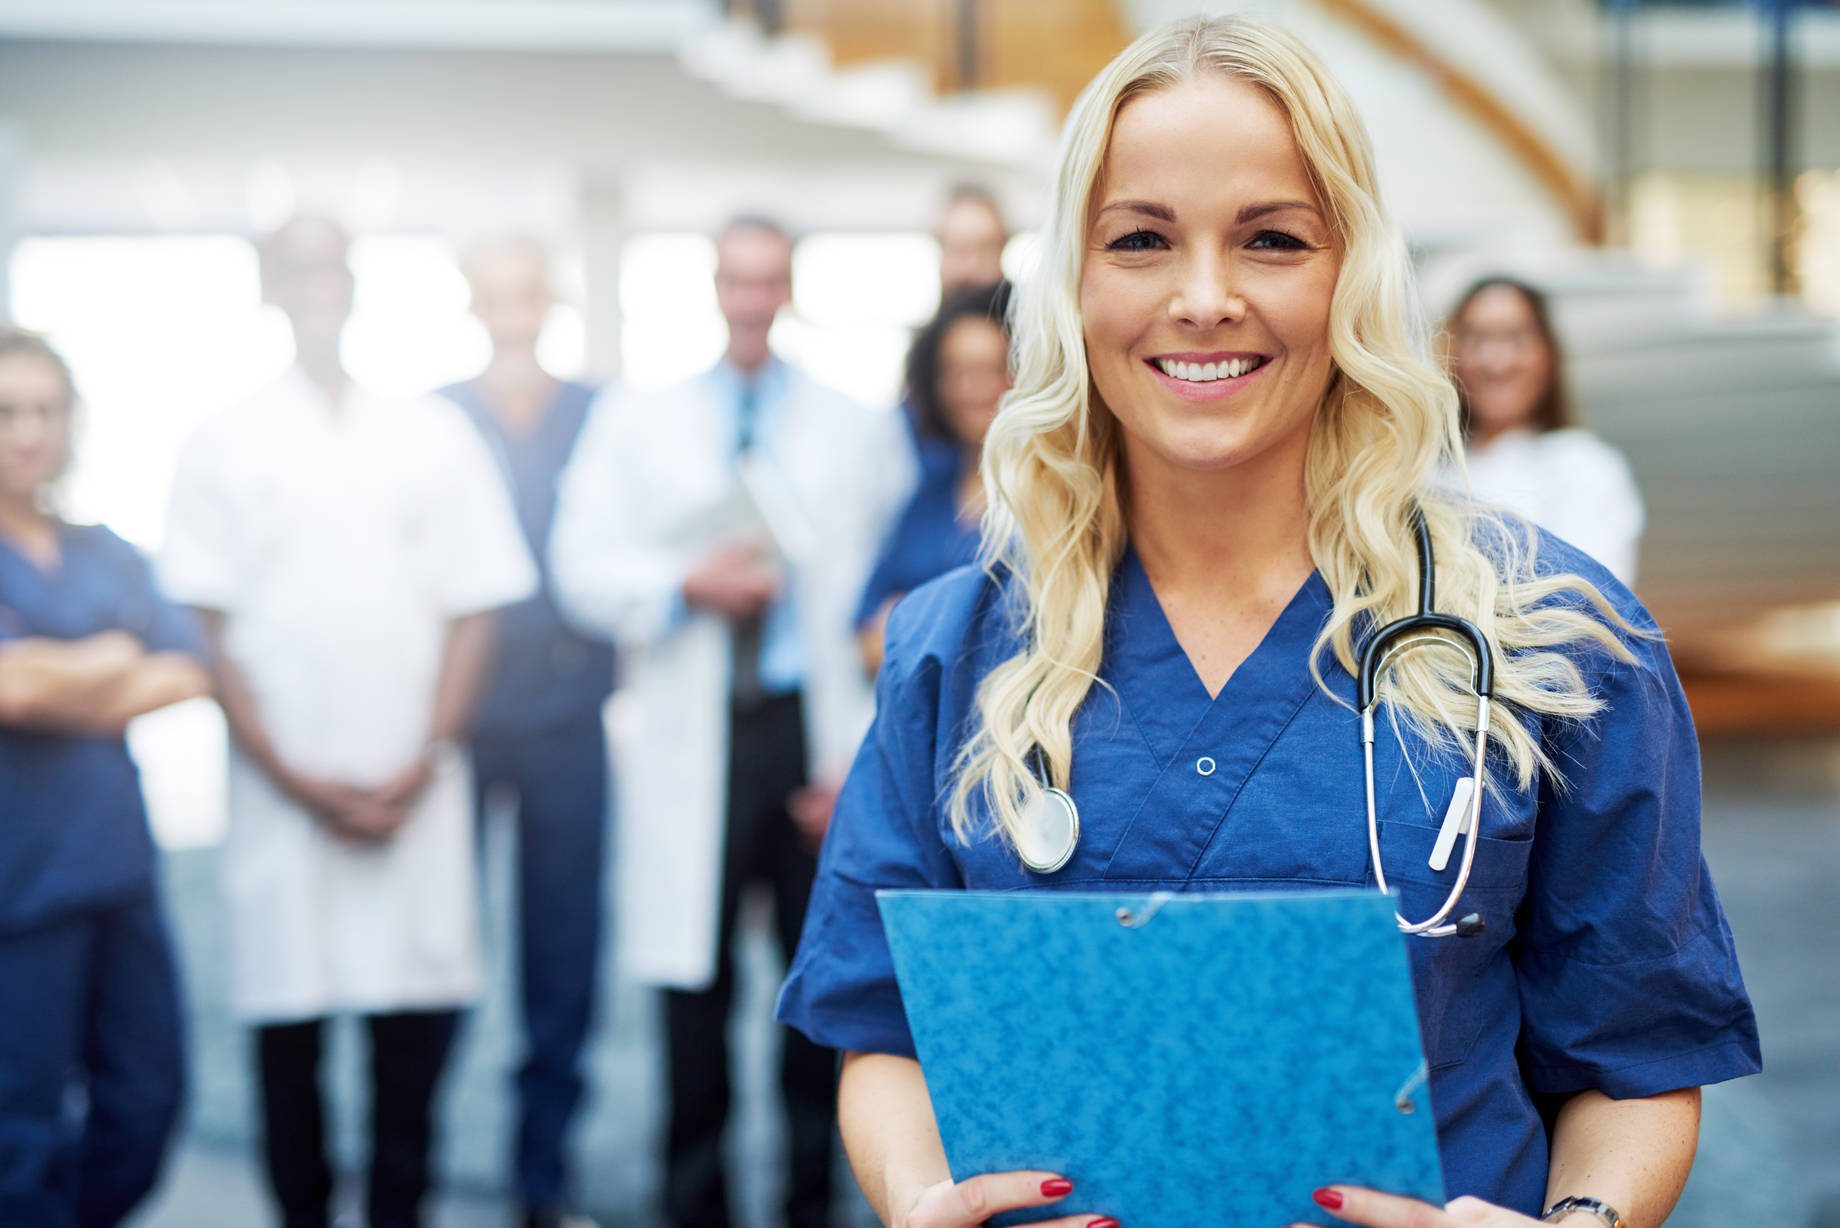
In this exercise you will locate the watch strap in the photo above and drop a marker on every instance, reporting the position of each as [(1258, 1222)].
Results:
[(1602, 1210)]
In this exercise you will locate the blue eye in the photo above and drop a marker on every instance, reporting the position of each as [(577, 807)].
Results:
[(1137, 241), (1277, 240)]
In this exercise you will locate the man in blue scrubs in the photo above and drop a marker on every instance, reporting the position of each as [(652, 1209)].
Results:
[(537, 733)]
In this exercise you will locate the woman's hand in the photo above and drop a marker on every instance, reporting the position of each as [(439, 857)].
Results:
[(962, 1204), (1355, 1205)]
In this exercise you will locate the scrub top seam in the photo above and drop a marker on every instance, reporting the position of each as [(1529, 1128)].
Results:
[(1593, 1068), (1697, 938)]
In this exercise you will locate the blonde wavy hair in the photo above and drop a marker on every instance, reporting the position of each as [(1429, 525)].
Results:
[(1386, 423)]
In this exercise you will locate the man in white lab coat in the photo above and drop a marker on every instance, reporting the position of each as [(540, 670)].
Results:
[(720, 532), (345, 551)]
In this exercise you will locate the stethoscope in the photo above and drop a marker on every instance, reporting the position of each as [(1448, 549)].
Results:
[(1050, 827)]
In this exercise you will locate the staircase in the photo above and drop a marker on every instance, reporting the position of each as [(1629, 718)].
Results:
[(1732, 423)]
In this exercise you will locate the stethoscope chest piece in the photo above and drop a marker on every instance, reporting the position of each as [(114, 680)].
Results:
[(1050, 831)]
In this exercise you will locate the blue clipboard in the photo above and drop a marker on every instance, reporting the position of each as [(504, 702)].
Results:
[(1184, 1059)]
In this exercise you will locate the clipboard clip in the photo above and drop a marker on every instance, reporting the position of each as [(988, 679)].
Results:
[(1402, 1099), (1137, 920)]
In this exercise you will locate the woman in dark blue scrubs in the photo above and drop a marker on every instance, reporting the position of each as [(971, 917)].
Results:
[(1203, 488), (957, 372), (86, 969)]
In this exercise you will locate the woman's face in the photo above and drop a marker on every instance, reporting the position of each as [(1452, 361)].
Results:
[(1503, 360), (973, 376), (1209, 270), (34, 425)]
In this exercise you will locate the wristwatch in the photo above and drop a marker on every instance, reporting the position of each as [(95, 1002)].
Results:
[(1602, 1210)]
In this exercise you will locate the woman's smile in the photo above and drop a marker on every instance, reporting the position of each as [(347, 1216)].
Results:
[(1206, 376)]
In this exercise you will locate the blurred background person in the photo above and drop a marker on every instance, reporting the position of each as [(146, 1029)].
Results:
[(345, 552), (537, 733), (92, 1013), (719, 531), (1524, 448), (972, 235), (957, 373)]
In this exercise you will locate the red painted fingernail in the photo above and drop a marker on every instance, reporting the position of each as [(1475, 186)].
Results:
[(1102, 1223), (1056, 1187), (1332, 1199)]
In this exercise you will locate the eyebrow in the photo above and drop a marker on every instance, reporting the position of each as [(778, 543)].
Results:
[(1163, 213), (1149, 208)]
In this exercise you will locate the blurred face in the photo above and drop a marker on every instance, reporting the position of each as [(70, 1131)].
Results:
[(1502, 360), (511, 296), (973, 376), (753, 283), (1209, 271), (34, 425), (305, 274), (971, 242)]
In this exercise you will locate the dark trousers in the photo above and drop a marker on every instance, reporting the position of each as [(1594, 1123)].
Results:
[(91, 1002), (766, 763), (408, 1052), (560, 781)]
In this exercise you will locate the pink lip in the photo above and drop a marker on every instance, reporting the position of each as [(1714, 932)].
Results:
[(1214, 390)]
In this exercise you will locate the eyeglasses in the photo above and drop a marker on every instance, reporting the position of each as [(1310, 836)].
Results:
[(1517, 340)]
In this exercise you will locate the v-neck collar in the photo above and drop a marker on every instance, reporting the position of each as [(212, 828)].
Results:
[(47, 573), (1202, 750), (1152, 672), (485, 411)]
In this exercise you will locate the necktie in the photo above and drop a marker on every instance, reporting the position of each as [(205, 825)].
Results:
[(748, 632)]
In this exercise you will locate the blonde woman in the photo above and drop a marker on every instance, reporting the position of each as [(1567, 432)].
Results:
[(1202, 495)]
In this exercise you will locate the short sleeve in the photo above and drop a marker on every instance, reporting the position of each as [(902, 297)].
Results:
[(1629, 980), (881, 584), (199, 564), (144, 611), (476, 551), (841, 989)]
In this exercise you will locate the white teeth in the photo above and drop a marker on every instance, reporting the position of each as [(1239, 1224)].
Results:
[(1202, 373)]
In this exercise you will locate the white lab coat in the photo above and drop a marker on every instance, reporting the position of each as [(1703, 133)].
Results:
[(338, 544), (649, 467), (1568, 482)]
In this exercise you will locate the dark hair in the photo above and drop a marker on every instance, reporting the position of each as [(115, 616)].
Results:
[(1554, 408), (980, 303), (18, 341)]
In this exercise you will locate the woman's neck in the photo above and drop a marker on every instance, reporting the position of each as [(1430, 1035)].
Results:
[(518, 388), (1247, 528), (24, 522)]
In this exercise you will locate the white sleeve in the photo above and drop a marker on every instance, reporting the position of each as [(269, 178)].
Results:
[(200, 564), (609, 579), (479, 558)]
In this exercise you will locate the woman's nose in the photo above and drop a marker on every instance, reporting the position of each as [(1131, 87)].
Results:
[(1207, 294)]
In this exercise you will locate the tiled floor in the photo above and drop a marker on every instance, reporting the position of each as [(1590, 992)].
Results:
[(1770, 1150)]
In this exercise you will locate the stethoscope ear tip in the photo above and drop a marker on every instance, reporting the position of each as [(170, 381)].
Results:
[(1470, 926)]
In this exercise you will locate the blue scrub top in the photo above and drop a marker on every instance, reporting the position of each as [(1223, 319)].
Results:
[(73, 826), (1607, 962), (928, 540), (544, 673)]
